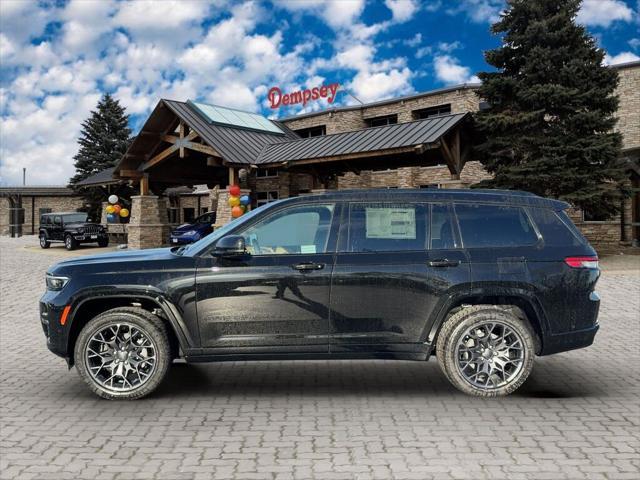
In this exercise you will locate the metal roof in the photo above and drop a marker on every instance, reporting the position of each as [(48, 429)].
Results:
[(236, 145), (103, 177), (38, 191), (419, 132)]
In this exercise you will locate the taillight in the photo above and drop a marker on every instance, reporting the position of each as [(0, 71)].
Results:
[(582, 262)]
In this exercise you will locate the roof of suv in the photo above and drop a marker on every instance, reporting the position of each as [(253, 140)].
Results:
[(48, 214), (510, 197)]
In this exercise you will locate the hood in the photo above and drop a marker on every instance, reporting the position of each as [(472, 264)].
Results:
[(80, 224), (114, 257), (185, 227)]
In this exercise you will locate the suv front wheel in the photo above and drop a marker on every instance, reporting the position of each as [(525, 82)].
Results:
[(44, 242), (485, 351), (123, 353), (70, 243)]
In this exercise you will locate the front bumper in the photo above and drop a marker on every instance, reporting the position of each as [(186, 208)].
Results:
[(55, 334), (91, 237)]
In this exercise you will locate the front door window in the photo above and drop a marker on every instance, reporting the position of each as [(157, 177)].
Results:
[(294, 231)]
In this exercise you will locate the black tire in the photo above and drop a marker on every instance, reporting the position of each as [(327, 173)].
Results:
[(103, 242), (44, 243), (454, 362), (70, 243), (144, 321)]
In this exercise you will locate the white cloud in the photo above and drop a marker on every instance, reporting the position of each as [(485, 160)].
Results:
[(338, 14), (414, 41), (602, 13), (449, 71), (634, 43), (623, 57), (402, 10), (478, 11), (370, 86)]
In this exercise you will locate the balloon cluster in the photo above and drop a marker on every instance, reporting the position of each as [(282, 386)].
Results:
[(238, 204), (114, 210)]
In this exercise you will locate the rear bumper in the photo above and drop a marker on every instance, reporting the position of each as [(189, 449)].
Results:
[(569, 341)]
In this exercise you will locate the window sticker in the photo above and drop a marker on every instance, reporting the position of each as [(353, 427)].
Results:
[(394, 223), (307, 249)]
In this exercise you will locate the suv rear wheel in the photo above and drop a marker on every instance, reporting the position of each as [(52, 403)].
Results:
[(70, 243), (123, 353), (485, 351)]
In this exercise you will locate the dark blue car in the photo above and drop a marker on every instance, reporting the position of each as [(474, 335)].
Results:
[(191, 232)]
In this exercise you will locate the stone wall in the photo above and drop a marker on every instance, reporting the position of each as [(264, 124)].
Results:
[(629, 108), (55, 203), (336, 121)]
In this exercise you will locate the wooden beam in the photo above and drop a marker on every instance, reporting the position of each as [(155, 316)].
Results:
[(449, 158), (131, 174), (144, 184), (181, 144), (199, 147), (159, 157), (233, 176), (175, 139)]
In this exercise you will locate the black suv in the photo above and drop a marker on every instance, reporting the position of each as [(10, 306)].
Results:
[(72, 228), (486, 280)]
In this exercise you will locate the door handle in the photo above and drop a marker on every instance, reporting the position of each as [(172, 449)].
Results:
[(443, 262), (307, 266)]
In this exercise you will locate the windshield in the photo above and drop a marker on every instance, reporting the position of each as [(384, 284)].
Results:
[(204, 242), (75, 218)]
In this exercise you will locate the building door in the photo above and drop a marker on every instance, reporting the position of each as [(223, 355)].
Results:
[(393, 265), (277, 296)]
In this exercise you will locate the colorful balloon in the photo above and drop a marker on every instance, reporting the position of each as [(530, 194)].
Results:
[(110, 209), (124, 213), (234, 190), (113, 198), (245, 200), (111, 218), (236, 211), (234, 201), (117, 208)]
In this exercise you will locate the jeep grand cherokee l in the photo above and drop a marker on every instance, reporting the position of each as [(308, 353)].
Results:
[(485, 280), (71, 228)]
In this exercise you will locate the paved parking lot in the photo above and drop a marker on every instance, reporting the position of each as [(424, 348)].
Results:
[(578, 416)]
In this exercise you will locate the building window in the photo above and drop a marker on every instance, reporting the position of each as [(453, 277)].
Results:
[(267, 172), (188, 214), (203, 210), (172, 212), (266, 197), (382, 121), (312, 131), (432, 111), (430, 185)]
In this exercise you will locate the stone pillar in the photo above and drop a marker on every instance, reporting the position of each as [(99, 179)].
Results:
[(103, 213), (223, 210), (149, 224)]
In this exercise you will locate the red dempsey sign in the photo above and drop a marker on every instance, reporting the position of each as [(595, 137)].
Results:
[(277, 98)]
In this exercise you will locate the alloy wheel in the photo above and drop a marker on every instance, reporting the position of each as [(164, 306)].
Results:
[(120, 357), (490, 355)]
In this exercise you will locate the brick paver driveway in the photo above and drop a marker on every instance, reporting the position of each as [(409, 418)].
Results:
[(577, 417)]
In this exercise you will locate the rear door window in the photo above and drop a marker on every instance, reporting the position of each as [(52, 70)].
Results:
[(442, 230), (387, 227), (494, 226), (556, 228)]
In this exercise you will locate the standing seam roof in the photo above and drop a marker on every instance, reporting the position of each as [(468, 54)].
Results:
[(387, 137)]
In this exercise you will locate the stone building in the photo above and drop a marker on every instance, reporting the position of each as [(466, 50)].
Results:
[(35, 200)]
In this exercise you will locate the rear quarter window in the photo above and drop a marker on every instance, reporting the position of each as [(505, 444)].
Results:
[(494, 226), (556, 228)]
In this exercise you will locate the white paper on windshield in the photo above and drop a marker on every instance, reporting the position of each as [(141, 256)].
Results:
[(399, 223)]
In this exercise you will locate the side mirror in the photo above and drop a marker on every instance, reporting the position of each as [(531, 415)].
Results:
[(230, 246)]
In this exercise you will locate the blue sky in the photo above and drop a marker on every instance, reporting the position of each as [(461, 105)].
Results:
[(58, 57)]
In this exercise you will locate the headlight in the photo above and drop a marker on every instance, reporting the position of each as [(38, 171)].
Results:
[(56, 283)]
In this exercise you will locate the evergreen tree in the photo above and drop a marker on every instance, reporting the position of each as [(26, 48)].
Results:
[(549, 126), (103, 140)]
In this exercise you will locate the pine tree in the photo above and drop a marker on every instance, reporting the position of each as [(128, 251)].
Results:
[(549, 126), (103, 140)]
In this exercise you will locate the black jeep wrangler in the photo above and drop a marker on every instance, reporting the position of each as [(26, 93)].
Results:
[(485, 280), (72, 228)]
